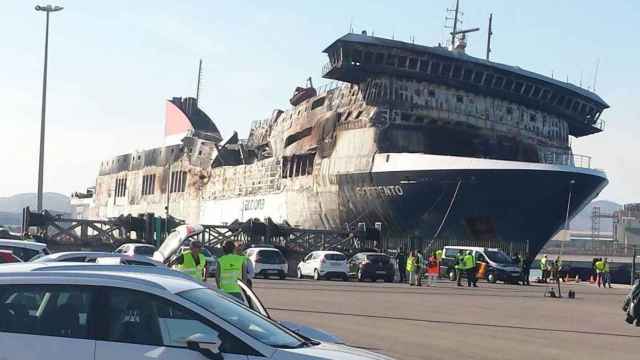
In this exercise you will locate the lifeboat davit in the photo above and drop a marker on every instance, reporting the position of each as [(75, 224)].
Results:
[(301, 94)]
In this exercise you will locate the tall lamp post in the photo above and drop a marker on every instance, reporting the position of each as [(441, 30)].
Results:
[(47, 9)]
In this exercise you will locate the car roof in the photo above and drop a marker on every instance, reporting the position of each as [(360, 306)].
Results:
[(23, 243), (263, 248), (476, 248), (325, 252), (67, 254), (371, 253), (140, 245), (157, 277)]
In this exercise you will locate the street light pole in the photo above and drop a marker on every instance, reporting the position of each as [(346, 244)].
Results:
[(47, 9)]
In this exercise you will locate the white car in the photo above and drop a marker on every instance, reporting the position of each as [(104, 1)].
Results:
[(136, 249), (83, 311), (324, 264), (267, 261), (98, 257), (25, 250)]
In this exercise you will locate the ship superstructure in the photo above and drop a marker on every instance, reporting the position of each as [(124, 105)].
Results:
[(423, 140)]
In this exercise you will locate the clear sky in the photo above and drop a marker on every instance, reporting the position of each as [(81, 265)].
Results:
[(113, 63)]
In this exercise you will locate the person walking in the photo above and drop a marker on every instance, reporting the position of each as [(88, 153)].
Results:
[(606, 274), (231, 268), (459, 266), (599, 271), (401, 260), (192, 261), (420, 266), (411, 268), (433, 269), (470, 269)]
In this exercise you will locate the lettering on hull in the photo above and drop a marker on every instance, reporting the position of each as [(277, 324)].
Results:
[(253, 204), (382, 190)]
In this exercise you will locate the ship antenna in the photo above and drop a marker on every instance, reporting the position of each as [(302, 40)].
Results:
[(489, 34), (455, 19), (199, 78), (595, 74)]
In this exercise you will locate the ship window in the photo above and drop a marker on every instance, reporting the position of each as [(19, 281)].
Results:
[(424, 65), (509, 110), (431, 93), (297, 136), (466, 76), (317, 103), (545, 95), (402, 62), (536, 92), (357, 57), (379, 58), (435, 68), (508, 84), (405, 117), (575, 105), (459, 99), (457, 72), (583, 109), (413, 63), (358, 114), (285, 166), (527, 89), (346, 118), (518, 87), (477, 77), (121, 187), (488, 80), (499, 82), (148, 184), (178, 182), (532, 117), (391, 60), (368, 57), (446, 70), (567, 104), (418, 119)]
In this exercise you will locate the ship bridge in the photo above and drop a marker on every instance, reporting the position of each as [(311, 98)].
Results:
[(356, 57)]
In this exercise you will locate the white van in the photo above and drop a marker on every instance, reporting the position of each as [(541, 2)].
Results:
[(499, 266), (23, 249)]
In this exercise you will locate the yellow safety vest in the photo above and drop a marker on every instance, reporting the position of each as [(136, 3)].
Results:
[(439, 255), (188, 265), (230, 271), (469, 262), (600, 266), (411, 264)]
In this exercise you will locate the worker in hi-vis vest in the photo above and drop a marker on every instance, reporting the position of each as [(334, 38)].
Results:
[(231, 268), (192, 261)]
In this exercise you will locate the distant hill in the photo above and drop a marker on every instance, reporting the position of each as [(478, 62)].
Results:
[(11, 207), (582, 221)]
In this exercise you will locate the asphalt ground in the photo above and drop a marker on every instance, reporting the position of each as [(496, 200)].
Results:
[(493, 321)]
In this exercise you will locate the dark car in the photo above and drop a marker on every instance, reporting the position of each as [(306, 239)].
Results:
[(372, 266)]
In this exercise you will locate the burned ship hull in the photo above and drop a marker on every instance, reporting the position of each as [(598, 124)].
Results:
[(423, 141)]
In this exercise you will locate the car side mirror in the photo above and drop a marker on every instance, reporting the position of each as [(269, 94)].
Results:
[(208, 345)]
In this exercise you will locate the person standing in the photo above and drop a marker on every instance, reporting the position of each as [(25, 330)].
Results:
[(525, 268), (544, 262), (433, 268), (470, 269), (599, 271), (192, 261), (401, 260), (459, 266), (411, 268), (248, 267), (419, 267), (439, 259), (606, 274), (231, 268)]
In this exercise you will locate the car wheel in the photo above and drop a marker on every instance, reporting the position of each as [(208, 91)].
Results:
[(283, 276), (299, 274), (492, 278), (360, 276), (452, 275), (345, 277), (316, 275), (388, 279)]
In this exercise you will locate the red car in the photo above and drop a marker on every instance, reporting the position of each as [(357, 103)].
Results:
[(7, 257)]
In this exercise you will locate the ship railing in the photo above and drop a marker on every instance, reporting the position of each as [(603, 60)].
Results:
[(575, 160), (326, 68), (326, 87)]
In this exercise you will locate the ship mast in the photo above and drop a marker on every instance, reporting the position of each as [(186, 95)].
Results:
[(489, 34), (198, 83), (455, 24)]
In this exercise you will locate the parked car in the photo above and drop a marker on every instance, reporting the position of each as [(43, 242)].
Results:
[(25, 250), (212, 261), (136, 249), (268, 261), (371, 265), (493, 264), (81, 311), (7, 257), (98, 257), (324, 264)]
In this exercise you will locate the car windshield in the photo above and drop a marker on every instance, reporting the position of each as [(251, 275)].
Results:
[(335, 257), (249, 322), (498, 257), (270, 256), (378, 258), (144, 250)]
